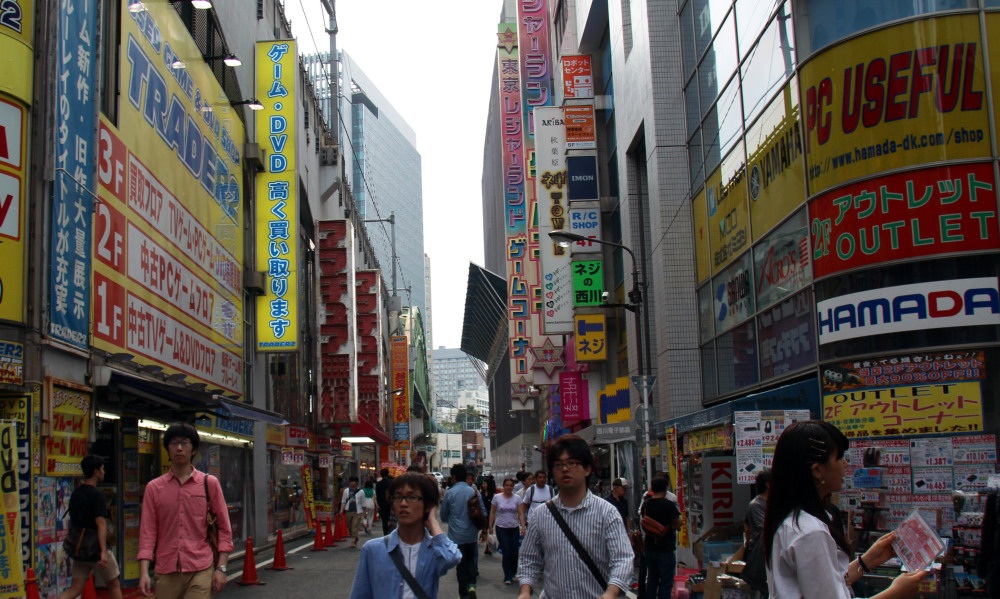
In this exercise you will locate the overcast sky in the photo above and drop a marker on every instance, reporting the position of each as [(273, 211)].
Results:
[(433, 61)]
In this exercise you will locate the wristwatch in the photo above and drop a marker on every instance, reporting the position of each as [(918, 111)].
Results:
[(221, 569)]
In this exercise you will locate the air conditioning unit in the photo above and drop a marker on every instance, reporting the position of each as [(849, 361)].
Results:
[(327, 140), (328, 156), (254, 156), (254, 281)]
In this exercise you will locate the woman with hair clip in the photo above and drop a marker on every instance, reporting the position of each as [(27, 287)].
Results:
[(807, 555)]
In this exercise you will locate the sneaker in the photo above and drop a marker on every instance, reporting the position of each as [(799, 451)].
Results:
[(508, 581), (472, 592)]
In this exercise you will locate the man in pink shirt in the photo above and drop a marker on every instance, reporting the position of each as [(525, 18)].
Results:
[(173, 525)]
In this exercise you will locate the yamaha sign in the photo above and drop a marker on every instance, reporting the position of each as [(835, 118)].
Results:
[(934, 305)]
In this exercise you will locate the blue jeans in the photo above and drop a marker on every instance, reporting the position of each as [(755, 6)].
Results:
[(660, 568), (507, 539)]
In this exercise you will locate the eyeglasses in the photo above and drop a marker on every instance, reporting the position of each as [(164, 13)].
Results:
[(179, 442), (567, 465), (407, 498)]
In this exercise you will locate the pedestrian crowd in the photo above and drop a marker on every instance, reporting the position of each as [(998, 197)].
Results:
[(561, 537)]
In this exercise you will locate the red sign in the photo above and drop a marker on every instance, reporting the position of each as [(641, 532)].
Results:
[(575, 396), (296, 436), (581, 133), (578, 77), (932, 211)]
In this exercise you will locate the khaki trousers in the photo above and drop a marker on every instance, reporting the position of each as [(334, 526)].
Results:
[(353, 524), (185, 585)]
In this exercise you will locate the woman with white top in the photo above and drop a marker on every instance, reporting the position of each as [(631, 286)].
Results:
[(807, 555), (505, 515)]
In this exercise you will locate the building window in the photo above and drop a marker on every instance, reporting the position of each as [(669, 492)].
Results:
[(111, 41)]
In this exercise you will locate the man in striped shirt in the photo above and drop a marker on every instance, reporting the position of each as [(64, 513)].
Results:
[(595, 522)]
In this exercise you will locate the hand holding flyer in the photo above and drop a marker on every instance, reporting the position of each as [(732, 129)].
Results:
[(917, 543)]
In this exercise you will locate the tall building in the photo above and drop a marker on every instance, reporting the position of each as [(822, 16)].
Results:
[(383, 171), (454, 373)]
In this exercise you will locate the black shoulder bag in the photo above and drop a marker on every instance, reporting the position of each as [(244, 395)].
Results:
[(575, 542), (407, 576), (755, 570)]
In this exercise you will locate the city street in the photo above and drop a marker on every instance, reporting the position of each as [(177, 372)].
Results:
[(330, 573)]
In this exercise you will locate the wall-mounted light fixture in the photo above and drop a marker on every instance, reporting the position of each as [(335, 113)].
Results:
[(230, 59), (202, 4), (252, 104)]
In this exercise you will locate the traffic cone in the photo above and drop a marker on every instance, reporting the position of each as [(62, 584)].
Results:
[(329, 541), (279, 555), (31, 586), (249, 576), (89, 590), (318, 543), (340, 533)]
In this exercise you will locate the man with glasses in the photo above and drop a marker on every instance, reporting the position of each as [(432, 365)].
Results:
[(461, 530), (174, 530), (548, 558)]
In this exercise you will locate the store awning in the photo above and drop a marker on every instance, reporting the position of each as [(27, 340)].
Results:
[(363, 429), (155, 400), (236, 409)]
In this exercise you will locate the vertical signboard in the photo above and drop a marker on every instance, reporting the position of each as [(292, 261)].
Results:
[(73, 190), (167, 240), (515, 209), (400, 402), (575, 392), (277, 198), (11, 570), (18, 409), (581, 130), (578, 77), (590, 336), (588, 282), (69, 415), (550, 189), (13, 121)]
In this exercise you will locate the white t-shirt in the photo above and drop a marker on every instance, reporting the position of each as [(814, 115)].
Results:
[(410, 554), (356, 500), (533, 496), (806, 562), (506, 510)]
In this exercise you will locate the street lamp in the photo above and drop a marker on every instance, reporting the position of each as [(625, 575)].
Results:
[(392, 225), (636, 300)]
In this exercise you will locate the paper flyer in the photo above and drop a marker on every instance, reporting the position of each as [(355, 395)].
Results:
[(917, 543)]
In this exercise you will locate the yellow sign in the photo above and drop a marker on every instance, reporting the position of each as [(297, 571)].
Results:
[(168, 230), (910, 94), (776, 179), (277, 198), (13, 166), (728, 215), (907, 410), (591, 337), (614, 402), (716, 437), (11, 572), (16, 29), (401, 402), (275, 434), (69, 410)]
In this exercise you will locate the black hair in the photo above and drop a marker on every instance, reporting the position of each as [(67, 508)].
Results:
[(659, 484), (421, 483), (521, 475), (384, 473), (353, 479), (491, 485), (415, 468), (575, 447), (369, 484), (91, 464), (618, 483), (458, 473), (537, 472), (760, 483), (508, 479), (793, 486), (181, 430)]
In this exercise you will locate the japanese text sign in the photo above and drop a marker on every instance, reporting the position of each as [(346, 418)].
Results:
[(11, 363), (73, 189), (70, 422), (552, 203), (590, 337), (277, 201), (907, 410), (575, 395), (578, 77), (588, 283), (939, 210), (400, 403), (13, 138), (581, 131)]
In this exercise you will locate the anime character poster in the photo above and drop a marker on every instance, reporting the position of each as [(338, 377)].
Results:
[(45, 526)]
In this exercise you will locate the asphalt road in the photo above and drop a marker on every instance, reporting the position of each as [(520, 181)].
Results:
[(330, 574)]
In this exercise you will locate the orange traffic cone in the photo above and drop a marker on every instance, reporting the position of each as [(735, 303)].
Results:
[(31, 586), (89, 590), (329, 541), (341, 531), (279, 555), (318, 543), (249, 576)]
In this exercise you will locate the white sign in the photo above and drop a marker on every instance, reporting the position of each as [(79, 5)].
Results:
[(585, 220), (551, 190), (933, 305)]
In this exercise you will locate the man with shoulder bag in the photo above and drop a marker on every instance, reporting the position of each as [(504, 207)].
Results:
[(184, 525), (461, 528), (754, 570), (576, 546), (659, 520), (86, 540), (350, 504)]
